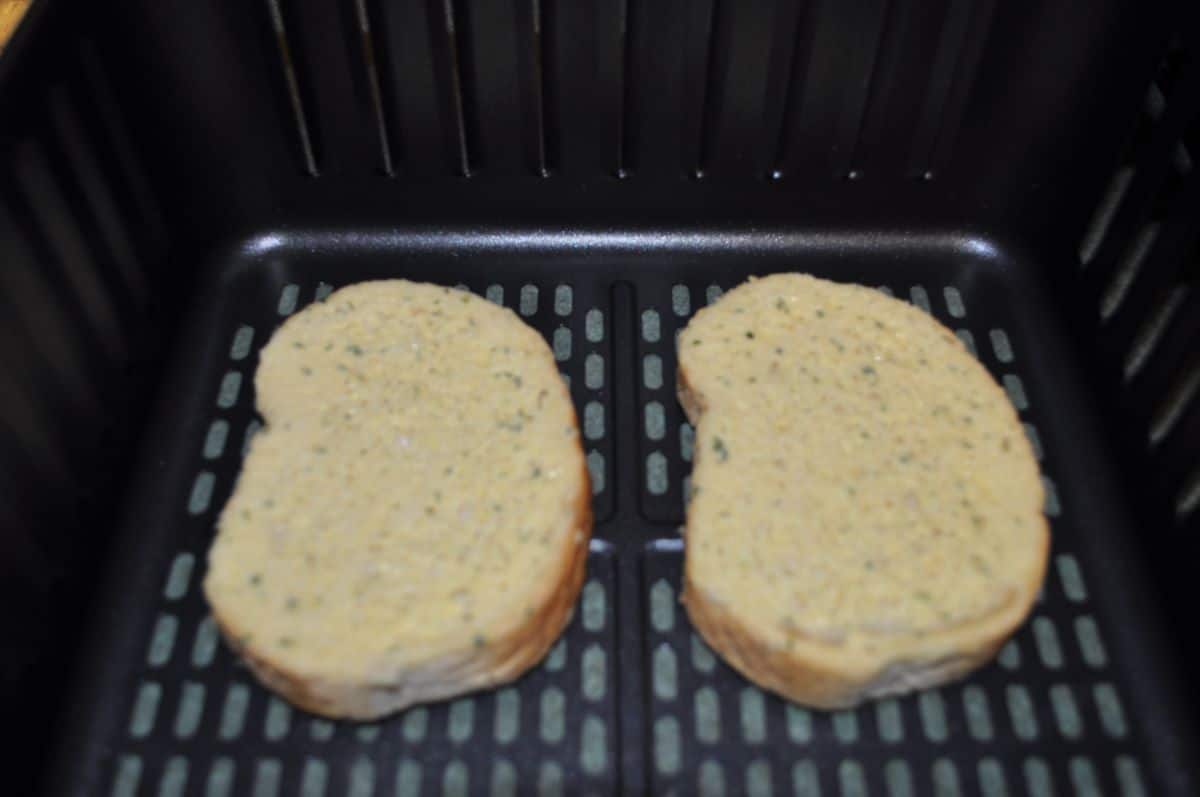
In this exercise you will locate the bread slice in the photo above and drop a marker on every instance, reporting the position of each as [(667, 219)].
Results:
[(866, 516), (11, 12), (412, 522)]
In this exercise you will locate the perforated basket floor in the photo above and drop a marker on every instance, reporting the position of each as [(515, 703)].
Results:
[(630, 700)]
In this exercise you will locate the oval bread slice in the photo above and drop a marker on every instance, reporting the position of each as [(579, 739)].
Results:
[(412, 521), (866, 516)]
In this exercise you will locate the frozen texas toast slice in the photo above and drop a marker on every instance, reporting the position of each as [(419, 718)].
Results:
[(412, 521), (866, 515)]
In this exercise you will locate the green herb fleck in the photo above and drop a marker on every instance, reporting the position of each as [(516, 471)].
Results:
[(820, 313), (291, 604), (297, 345), (923, 596), (720, 450), (304, 369), (355, 349), (695, 341), (868, 370), (537, 472), (255, 579), (286, 641), (750, 334), (480, 641), (320, 450), (781, 305)]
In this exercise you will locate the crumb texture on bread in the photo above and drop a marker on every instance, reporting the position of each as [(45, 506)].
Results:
[(412, 521), (867, 512)]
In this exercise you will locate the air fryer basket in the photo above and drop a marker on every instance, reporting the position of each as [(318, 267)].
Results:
[(178, 178)]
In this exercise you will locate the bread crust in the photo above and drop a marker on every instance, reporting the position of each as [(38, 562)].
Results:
[(824, 675), (507, 654)]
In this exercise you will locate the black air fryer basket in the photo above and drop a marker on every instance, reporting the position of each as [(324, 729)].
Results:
[(177, 177)]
